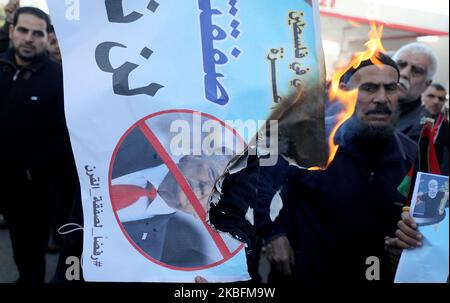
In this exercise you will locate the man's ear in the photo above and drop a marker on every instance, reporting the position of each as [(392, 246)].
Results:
[(427, 83)]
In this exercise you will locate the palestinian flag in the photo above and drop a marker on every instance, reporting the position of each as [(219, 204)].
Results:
[(403, 188), (433, 155)]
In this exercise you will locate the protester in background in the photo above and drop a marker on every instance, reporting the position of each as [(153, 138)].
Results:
[(53, 46), (433, 98), (433, 157), (417, 64), (60, 192), (10, 10), (36, 146)]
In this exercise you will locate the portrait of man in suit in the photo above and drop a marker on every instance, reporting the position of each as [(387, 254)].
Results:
[(153, 209)]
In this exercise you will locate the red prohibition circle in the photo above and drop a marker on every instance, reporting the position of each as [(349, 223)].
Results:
[(226, 257)]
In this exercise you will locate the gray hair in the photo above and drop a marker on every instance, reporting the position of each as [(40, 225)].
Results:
[(419, 48)]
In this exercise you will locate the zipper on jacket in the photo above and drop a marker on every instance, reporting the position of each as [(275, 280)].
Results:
[(16, 75), (372, 174)]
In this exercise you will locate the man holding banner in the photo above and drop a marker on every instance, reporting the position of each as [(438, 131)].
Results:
[(336, 219), (235, 69), (425, 248), (32, 126)]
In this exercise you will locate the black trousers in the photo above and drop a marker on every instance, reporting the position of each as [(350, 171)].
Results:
[(26, 210)]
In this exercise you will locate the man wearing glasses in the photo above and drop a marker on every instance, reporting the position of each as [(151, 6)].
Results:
[(417, 64)]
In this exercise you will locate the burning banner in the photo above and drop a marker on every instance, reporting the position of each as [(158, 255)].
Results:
[(246, 199), (347, 99), (159, 96)]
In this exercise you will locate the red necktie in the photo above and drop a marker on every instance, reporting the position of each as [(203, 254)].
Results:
[(125, 195)]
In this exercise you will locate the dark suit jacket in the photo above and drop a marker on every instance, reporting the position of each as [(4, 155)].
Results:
[(134, 154), (169, 238)]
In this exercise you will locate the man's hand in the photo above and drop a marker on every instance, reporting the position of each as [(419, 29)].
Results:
[(407, 237), (200, 279), (393, 252), (10, 10), (281, 255), (407, 234)]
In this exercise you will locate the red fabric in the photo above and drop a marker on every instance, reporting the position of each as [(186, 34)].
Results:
[(433, 164), (125, 195)]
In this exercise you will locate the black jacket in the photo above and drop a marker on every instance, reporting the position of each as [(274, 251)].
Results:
[(33, 131), (338, 217), (254, 187), (4, 37), (409, 119)]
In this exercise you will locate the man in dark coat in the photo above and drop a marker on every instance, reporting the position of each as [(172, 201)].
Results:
[(417, 64), (332, 221), (339, 217), (10, 9), (34, 136)]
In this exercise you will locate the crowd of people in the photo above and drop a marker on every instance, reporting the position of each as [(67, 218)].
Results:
[(331, 220)]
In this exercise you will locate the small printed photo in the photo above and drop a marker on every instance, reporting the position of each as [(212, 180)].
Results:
[(429, 204)]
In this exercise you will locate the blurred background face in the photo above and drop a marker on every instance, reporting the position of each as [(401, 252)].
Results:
[(433, 100), (53, 47), (413, 68), (29, 38)]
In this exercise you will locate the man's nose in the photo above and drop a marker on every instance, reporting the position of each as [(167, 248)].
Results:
[(380, 96), (29, 37)]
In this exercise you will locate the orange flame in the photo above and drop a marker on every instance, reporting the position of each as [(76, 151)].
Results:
[(348, 98)]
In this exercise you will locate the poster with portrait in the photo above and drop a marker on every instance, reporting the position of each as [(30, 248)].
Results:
[(159, 95), (429, 208)]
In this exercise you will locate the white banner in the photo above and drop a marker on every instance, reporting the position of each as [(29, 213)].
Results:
[(153, 90)]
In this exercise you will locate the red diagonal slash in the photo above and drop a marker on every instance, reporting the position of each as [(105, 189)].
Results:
[(181, 180)]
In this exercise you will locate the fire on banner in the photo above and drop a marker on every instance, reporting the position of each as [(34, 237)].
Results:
[(159, 96)]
